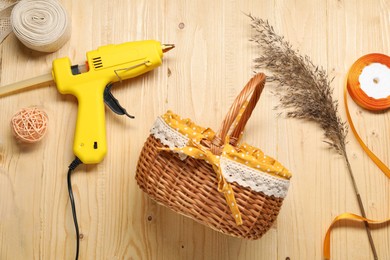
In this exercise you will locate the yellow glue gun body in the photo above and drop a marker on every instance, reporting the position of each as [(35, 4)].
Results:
[(106, 65)]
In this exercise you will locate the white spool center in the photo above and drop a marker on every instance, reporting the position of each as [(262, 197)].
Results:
[(375, 80)]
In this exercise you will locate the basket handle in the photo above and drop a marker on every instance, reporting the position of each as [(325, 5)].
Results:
[(255, 86)]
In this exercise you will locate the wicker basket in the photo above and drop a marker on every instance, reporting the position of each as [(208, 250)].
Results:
[(195, 187)]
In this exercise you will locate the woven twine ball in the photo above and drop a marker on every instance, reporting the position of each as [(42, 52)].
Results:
[(29, 125)]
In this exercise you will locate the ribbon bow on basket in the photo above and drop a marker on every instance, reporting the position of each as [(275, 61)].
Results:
[(233, 188)]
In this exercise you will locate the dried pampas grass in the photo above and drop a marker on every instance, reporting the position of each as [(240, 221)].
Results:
[(302, 87)]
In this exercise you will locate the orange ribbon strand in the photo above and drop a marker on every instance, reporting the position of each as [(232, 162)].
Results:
[(361, 98), (345, 216)]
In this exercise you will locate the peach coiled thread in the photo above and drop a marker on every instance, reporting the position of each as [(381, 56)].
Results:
[(29, 125)]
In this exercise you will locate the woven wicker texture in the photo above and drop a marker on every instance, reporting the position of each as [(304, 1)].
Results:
[(189, 186)]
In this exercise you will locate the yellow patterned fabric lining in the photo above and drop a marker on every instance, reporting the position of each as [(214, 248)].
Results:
[(187, 128), (256, 159), (244, 154)]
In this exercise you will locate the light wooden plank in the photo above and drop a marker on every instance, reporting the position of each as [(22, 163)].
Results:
[(199, 79)]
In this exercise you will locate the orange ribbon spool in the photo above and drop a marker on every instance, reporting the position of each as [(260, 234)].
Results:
[(354, 86), (354, 89)]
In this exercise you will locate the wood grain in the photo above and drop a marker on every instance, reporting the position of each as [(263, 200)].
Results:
[(199, 79)]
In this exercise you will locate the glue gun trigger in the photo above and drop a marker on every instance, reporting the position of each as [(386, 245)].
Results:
[(113, 103)]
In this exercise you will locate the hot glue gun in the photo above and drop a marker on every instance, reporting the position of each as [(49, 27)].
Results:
[(91, 84), (106, 65)]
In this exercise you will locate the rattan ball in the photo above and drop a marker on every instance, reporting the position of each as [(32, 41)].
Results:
[(29, 125)]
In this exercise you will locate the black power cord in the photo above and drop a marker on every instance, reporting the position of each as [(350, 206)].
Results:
[(76, 162)]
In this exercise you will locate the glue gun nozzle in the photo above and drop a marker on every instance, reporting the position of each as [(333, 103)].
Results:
[(167, 47)]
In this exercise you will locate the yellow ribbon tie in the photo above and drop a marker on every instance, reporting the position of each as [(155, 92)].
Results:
[(345, 216), (197, 151)]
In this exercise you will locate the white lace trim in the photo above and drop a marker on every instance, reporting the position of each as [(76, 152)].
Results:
[(253, 179), (168, 136)]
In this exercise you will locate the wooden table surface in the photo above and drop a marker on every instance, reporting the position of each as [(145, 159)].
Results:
[(199, 79)]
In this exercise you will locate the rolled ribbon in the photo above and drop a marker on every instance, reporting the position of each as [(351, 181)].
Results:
[(41, 25), (368, 84), (368, 81)]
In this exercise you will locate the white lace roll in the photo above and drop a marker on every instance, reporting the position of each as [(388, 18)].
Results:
[(41, 25)]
